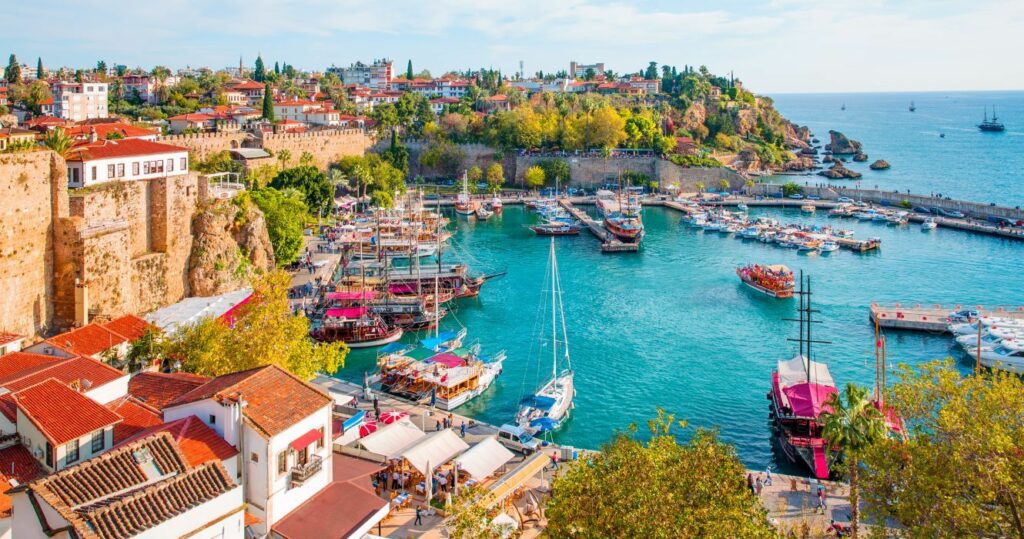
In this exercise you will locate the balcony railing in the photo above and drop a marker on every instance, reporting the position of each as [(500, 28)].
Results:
[(302, 472)]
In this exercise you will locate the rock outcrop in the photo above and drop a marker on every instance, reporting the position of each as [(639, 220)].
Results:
[(880, 164), (799, 164), (839, 172), (860, 157), (840, 144), (230, 245)]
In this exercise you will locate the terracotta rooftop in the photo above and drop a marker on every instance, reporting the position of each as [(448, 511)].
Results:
[(158, 389), (60, 413), (193, 117), (129, 326), (136, 416), (6, 338), (104, 130), (197, 442), (78, 371), (248, 85), (16, 463), (97, 337), (129, 147), (276, 399), (24, 362), (113, 496)]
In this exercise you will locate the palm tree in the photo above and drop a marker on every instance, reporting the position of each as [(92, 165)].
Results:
[(852, 424), (284, 156), (57, 141)]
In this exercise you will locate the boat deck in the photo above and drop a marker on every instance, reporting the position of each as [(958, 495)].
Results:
[(929, 317), (609, 243)]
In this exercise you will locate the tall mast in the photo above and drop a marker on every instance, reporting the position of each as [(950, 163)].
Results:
[(561, 310), (554, 326), (437, 276)]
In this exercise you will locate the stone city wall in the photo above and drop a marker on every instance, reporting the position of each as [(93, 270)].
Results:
[(202, 145), (326, 146), (33, 194)]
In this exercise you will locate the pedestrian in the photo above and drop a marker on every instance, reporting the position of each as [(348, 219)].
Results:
[(554, 459), (750, 482), (821, 498), (768, 476), (419, 516), (451, 421), (757, 486), (394, 480), (462, 429), (439, 425)]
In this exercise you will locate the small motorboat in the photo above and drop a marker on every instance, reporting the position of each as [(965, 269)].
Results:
[(775, 281), (496, 205), (556, 229), (808, 208), (828, 246), (929, 224), (483, 213), (742, 207)]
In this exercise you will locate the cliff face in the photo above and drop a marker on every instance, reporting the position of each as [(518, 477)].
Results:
[(230, 245)]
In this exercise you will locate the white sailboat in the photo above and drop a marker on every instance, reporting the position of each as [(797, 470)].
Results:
[(545, 410)]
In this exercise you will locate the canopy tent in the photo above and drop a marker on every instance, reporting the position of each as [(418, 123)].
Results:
[(346, 312), (402, 289), (357, 295), (544, 424), (808, 400), (484, 458), (436, 449), (443, 337), (539, 402), (390, 440), (517, 477), (794, 371), (448, 360)]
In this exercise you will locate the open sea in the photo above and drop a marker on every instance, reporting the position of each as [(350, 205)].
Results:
[(672, 326)]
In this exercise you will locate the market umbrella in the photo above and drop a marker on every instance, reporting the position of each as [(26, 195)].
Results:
[(391, 416), (367, 428)]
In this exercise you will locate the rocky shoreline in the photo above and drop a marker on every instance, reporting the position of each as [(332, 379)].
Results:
[(809, 155)]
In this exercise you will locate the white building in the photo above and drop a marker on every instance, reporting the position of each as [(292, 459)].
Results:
[(124, 160), (577, 70), (307, 112), (144, 489), (146, 86), (77, 101), (282, 428), (376, 75)]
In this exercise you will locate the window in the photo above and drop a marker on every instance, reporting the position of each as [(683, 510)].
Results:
[(170, 165), (320, 441), (135, 168), (98, 441), (213, 419), (145, 167), (282, 462), (110, 171), (49, 455), (183, 164), (72, 452), (94, 173), (254, 457), (120, 170)]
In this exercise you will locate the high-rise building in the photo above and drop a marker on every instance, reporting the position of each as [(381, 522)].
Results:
[(577, 69)]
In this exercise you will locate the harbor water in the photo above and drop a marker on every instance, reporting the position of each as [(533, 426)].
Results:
[(672, 327)]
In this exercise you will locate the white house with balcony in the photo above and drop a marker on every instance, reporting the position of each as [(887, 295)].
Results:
[(77, 101), (102, 161), (282, 429), (307, 112)]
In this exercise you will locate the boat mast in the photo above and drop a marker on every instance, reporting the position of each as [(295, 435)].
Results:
[(554, 326), (561, 310), (437, 276)]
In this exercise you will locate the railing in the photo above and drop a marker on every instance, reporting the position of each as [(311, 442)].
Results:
[(302, 472)]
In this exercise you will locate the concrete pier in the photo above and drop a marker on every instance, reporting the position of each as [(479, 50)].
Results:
[(609, 243), (930, 317)]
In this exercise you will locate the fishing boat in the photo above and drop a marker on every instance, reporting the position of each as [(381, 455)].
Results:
[(929, 224), (357, 327), (495, 205), (800, 387), (555, 229), (545, 410), (993, 125), (463, 204), (808, 208), (912, 107), (828, 246), (775, 280), (843, 107), (483, 213)]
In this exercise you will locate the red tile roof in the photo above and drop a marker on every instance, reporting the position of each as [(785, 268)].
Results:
[(6, 338), (248, 85), (114, 497), (88, 340), (129, 326), (157, 389), (129, 147), (45, 121), (276, 399), (198, 442), (60, 413), (193, 117), (104, 130), (137, 417), (75, 371), (24, 362), (16, 463)]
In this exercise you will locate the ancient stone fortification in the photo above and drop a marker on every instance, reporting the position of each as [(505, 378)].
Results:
[(201, 145), (597, 171), (32, 195), (230, 244), (325, 146)]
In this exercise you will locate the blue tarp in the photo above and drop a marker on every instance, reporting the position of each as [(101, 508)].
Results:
[(393, 348), (539, 402), (354, 420), (544, 424), (434, 342)]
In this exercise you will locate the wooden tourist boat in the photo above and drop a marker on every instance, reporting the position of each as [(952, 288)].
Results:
[(556, 229), (775, 280), (357, 327), (446, 379)]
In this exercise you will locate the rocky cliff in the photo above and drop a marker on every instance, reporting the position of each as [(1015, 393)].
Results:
[(230, 244), (841, 145)]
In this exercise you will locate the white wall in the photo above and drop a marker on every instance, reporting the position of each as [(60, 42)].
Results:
[(84, 168), (34, 440), (25, 523), (110, 391), (285, 497)]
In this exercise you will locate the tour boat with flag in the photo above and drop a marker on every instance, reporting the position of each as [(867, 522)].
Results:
[(774, 280), (463, 205), (544, 411), (444, 379), (357, 327)]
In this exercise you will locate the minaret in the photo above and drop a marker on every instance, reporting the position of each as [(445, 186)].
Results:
[(241, 66)]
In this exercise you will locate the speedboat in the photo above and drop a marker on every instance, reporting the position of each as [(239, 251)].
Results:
[(844, 233), (751, 232), (1008, 356), (986, 322), (929, 224), (742, 207), (483, 213), (828, 246)]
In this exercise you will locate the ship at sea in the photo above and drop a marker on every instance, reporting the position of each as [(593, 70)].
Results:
[(993, 125)]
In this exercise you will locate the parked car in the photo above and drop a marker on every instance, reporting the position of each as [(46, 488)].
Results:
[(949, 213), (813, 197), (920, 209), (796, 196), (845, 200), (963, 315), (517, 439)]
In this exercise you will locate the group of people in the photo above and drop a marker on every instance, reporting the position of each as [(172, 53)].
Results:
[(756, 485)]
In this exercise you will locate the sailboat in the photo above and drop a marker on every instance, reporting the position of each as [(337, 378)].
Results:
[(843, 107), (993, 125), (463, 205), (545, 410), (912, 107)]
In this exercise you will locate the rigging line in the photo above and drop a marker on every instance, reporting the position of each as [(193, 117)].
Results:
[(561, 309), (537, 339)]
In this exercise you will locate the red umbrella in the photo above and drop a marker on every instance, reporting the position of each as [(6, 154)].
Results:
[(391, 416), (367, 428)]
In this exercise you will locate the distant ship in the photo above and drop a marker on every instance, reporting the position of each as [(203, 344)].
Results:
[(843, 107), (993, 125), (912, 107)]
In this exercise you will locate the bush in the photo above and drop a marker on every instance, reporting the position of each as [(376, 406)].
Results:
[(791, 189)]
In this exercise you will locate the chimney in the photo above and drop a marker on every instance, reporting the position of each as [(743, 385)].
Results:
[(93, 137), (81, 303)]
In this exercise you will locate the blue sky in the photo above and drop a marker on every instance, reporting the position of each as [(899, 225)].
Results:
[(774, 45)]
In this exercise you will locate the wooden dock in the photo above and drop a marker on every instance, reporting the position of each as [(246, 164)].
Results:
[(609, 243), (930, 317)]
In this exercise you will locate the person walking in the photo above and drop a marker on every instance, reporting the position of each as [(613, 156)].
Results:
[(462, 429), (821, 498), (768, 476), (554, 459), (750, 482), (757, 486), (419, 516)]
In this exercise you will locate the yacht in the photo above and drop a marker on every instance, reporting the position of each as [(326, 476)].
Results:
[(1008, 356), (828, 246), (929, 224)]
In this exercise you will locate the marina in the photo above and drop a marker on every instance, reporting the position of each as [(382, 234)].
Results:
[(609, 243), (933, 318)]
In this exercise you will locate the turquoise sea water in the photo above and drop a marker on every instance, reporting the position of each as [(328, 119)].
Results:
[(966, 164), (672, 326)]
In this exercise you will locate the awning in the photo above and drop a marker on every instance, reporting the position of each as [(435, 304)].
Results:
[(346, 312), (435, 450), (484, 458), (448, 360), (539, 402), (303, 441), (795, 371), (352, 295), (391, 439), (808, 400), (517, 477)]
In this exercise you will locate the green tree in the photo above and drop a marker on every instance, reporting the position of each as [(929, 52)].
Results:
[(397, 154), (277, 68), (652, 71), (534, 176), (40, 72), (58, 141), (260, 73), (312, 183), (790, 188), (443, 156), (264, 333), (474, 174), (285, 157), (12, 73), (589, 74), (724, 185), (468, 517), (408, 70), (285, 214), (959, 472), (142, 353), (555, 170), (657, 488), (852, 424), (495, 177), (268, 103), (101, 68)]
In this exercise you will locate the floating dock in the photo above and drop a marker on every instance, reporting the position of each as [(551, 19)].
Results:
[(609, 243), (930, 317)]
